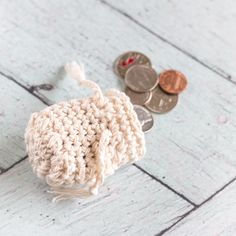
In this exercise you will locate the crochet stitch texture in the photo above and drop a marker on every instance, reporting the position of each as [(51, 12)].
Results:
[(74, 145)]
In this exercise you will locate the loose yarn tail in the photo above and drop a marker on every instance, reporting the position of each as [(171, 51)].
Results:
[(68, 193), (77, 72)]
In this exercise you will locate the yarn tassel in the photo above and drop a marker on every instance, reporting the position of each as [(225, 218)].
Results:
[(68, 193), (77, 72)]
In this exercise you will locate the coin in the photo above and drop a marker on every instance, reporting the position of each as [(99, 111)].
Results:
[(161, 102), (128, 59), (138, 98), (145, 117), (172, 81), (141, 78), (115, 65)]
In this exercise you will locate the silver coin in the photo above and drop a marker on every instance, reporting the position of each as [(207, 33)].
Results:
[(138, 98), (145, 118), (115, 65), (161, 102), (129, 59), (141, 78)]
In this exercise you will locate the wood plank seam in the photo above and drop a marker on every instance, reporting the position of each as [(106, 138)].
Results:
[(197, 207), (2, 170), (166, 185), (180, 219), (216, 70), (218, 191), (28, 89)]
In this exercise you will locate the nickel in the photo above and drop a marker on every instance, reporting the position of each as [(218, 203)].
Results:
[(172, 81), (141, 78), (127, 60), (145, 117), (161, 102), (138, 98)]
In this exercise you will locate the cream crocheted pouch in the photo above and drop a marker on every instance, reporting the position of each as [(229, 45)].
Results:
[(74, 145)]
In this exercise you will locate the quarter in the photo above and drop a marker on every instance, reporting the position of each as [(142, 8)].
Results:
[(172, 81), (127, 60), (161, 102), (145, 118), (138, 98), (140, 78)]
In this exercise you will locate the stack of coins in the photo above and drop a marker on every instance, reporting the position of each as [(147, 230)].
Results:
[(145, 88)]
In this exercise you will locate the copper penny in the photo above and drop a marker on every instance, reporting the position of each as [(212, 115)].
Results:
[(145, 117), (127, 60), (138, 98), (172, 81), (141, 78), (161, 102)]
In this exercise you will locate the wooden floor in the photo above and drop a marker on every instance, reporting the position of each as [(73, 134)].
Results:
[(186, 184)]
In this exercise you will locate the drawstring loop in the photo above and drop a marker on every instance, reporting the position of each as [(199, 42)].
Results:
[(77, 72)]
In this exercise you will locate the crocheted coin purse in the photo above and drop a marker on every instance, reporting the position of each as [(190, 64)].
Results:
[(74, 145)]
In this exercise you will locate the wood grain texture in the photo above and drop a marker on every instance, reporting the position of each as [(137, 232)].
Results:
[(204, 30), (216, 217), (129, 203), (15, 107), (192, 148)]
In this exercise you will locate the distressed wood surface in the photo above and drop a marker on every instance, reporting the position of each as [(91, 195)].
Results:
[(129, 203), (216, 217), (191, 149), (16, 105), (203, 30)]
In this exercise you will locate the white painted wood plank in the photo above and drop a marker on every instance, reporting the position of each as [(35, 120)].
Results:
[(130, 203), (217, 217), (204, 28), (16, 105), (192, 148)]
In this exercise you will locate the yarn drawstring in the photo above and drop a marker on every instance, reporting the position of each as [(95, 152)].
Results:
[(64, 193), (100, 160), (77, 72)]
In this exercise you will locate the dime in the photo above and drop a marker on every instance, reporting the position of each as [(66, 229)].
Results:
[(145, 117), (128, 59), (141, 78), (161, 102), (138, 98), (172, 81)]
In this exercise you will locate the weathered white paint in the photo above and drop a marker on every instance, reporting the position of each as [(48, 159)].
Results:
[(15, 107), (217, 217), (192, 148), (130, 203), (205, 28)]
